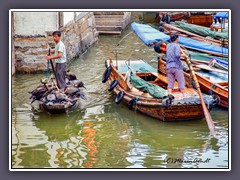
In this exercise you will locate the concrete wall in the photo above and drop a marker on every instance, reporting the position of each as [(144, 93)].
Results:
[(33, 23), (67, 17), (32, 42)]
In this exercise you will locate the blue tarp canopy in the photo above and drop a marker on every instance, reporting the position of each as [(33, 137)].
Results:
[(221, 15), (149, 35)]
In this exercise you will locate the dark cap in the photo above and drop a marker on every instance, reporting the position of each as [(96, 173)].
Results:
[(157, 46), (173, 37)]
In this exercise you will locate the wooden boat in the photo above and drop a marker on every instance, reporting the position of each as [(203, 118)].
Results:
[(168, 29), (208, 83), (143, 32), (150, 35), (218, 64), (149, 16), (203, 31), (198, 18), (207, 67), (166, 109)]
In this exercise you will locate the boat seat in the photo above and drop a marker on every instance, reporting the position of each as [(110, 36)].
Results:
[(164, 79)]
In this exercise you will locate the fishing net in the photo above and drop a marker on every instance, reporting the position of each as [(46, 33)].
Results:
[(152, 89)]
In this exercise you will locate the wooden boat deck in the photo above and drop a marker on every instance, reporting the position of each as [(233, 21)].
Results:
[(163, 78), (159, 79)]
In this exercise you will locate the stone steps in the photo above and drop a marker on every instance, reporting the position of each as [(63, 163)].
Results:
[(109, 28), (108, 16), (111, 22), (108, 19), (109, 13), (100, 22), (110, 32)]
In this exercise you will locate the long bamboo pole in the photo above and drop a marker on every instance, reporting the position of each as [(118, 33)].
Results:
[(207, 115)]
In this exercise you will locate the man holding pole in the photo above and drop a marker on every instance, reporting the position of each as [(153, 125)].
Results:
[(60, 59), (174, 65)]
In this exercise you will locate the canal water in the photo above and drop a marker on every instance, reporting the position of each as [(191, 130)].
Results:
[(102, 134)]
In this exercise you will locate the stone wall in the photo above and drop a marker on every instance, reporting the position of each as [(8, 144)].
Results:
[(77, 35), (31, 40), (30, 52), (12, 45), (126, 19)]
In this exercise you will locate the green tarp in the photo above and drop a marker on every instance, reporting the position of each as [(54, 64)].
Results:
[(203, 56), (203, 31), (152, 89)]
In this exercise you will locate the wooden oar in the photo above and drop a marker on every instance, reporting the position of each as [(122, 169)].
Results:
[(49, 52), (205, 110)]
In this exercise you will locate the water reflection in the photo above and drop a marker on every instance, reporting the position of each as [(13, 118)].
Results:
[(102, 134), (109, 138), (88, 138)]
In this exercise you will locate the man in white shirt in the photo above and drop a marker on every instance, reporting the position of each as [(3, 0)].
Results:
[(60, 59)]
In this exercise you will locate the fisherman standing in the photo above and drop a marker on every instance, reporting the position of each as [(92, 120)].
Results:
[(174, 66), (59, 55)]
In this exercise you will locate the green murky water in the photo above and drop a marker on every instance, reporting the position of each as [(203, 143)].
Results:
[(102, 134)]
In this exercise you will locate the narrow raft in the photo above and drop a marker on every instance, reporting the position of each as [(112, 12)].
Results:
[(152, 102), (55, 101), (58, 108)]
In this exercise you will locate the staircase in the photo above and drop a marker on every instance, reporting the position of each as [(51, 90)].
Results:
[(112, 23)]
